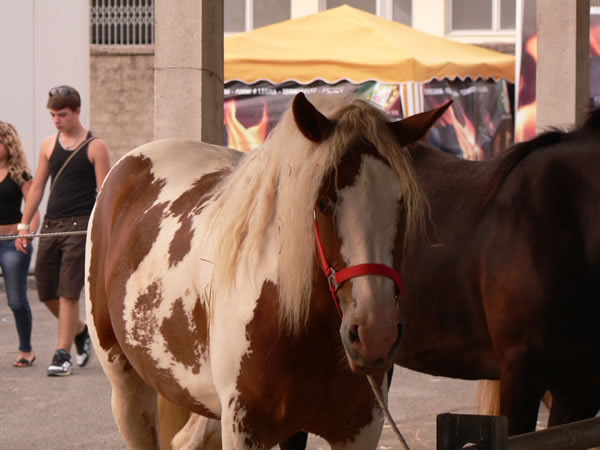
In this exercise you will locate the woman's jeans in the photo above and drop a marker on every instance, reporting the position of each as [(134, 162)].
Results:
[(15, 266)]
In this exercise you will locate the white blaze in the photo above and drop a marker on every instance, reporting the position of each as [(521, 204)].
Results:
[(368, 214)]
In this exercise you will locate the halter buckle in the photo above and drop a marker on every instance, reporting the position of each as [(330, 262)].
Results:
[(332, 280)]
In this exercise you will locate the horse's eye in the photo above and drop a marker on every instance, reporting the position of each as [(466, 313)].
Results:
[(321, 205), (324, 207)]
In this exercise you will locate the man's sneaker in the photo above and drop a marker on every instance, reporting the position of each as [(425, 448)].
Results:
[(61, 364), (84, 347)]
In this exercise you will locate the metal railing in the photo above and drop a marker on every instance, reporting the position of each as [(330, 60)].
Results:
[(490, 433), (122, 22)]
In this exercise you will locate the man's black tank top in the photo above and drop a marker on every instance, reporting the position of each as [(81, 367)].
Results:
[(75, 191)]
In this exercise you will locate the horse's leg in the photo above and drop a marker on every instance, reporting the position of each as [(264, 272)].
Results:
[(368, 438), (232, 435), (487, 400), (198, 433), (520, 396), (134, 407), (171, 419), (295, 442), (547, 400), (133, 401), (570, 408)]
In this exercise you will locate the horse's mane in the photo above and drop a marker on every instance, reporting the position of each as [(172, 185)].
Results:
[(513, 156), (272, 192)]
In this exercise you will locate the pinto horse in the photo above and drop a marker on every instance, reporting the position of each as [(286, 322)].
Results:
[(508, 285), (204, 284)]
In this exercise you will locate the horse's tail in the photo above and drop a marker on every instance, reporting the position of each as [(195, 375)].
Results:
[(487, 399), (171, 418)]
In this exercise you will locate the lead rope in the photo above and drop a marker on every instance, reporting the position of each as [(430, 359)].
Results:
[(377, 391), (8, 237)]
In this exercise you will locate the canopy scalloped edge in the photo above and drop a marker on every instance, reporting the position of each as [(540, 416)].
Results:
[(303, 83)]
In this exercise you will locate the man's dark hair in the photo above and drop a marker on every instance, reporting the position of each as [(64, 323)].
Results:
[(61, 97)]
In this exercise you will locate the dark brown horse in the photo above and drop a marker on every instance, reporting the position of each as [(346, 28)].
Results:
[(507, 286)]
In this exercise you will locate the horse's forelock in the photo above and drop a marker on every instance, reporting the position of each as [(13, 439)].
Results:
[(363, 120)]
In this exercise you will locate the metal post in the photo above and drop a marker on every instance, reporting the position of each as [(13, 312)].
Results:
[(459, 430)]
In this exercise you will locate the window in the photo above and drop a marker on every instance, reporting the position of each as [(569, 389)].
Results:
[(245, 15), (234, 16), (365, 5), (122, 22), (402, 11), (396, 10), (267, 12), (489, 15)]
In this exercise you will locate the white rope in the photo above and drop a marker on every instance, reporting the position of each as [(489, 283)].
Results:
[(377, 391), (374, 386), (8, 237)]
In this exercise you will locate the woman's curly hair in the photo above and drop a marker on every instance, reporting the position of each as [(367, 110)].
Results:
[(18, 167)]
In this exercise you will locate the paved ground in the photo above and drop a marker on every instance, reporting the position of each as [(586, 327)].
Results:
[(39, 412), (74, 412)]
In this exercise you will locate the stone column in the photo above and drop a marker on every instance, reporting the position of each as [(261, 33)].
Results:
[(563, 64), (188, 102), (188, 70)]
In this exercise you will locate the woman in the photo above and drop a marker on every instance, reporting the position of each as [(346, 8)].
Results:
[(15, 182)]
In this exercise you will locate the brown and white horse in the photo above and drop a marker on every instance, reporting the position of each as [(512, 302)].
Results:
[(203, 284)]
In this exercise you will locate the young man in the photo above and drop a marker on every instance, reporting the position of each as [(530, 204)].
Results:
[(60, 261)]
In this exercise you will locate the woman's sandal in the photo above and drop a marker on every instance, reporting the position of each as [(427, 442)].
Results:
[(24, 362)]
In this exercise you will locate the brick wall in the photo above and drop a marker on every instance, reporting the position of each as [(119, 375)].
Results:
[(122, 96)]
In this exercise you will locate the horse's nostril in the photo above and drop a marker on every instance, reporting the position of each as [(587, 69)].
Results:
[(353, 334), (400, 330)]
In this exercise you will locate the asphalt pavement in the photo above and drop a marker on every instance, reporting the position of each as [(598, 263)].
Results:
[(40, 412)]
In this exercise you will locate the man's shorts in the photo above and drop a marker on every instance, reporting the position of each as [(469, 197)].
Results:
[(59, 268)]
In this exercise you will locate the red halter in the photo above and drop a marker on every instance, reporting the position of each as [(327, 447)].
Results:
[(335, 279)]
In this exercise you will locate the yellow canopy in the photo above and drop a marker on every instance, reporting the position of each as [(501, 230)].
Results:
[(345, 43)]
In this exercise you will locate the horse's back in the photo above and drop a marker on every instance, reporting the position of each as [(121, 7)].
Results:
[(149, 199), (549, 207), (144, 283)]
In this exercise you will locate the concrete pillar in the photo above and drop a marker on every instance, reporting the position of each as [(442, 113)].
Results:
[(563, 64), (188, 102), (188, 70)]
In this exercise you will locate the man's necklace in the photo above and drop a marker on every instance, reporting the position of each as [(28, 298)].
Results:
[(72, 145)]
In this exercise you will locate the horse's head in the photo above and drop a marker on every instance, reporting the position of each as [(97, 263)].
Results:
[(362, 202)]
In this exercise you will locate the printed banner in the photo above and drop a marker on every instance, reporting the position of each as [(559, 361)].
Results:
[(477, 126), (526, 112)]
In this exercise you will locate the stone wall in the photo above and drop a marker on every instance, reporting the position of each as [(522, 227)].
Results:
[(121, 96)]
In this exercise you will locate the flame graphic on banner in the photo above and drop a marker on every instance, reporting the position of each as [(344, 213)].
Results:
[(595, 40), (239, 137), (465, 134), (526, 113), (525, 125)]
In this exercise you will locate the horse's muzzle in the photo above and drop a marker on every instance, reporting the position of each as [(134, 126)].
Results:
[(360, 356)]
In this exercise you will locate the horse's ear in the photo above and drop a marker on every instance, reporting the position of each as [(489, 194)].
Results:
[(313, 125), (413, 128)]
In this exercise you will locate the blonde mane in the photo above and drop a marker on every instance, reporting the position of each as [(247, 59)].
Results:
[(276, 186)]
